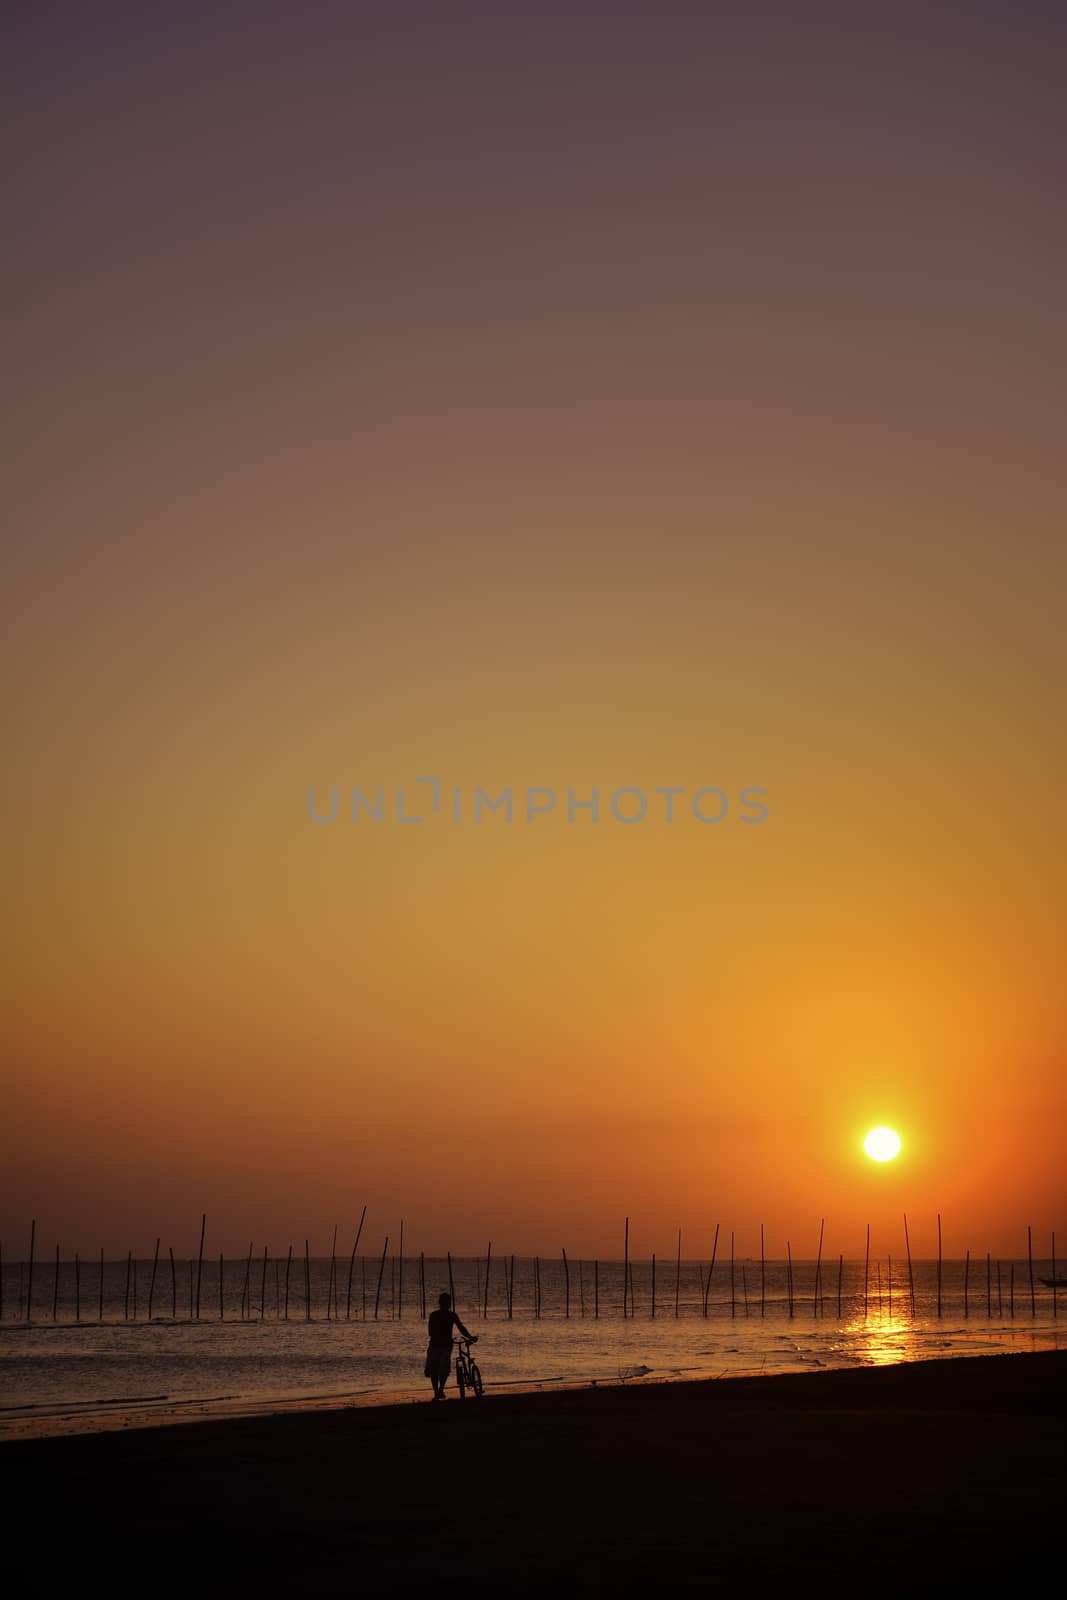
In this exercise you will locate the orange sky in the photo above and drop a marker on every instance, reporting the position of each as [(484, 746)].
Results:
[(534, 403)]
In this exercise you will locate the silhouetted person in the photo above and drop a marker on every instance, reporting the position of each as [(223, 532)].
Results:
[(439, 1354)]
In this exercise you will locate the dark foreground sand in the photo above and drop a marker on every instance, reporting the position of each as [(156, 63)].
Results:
[(896, 1480)]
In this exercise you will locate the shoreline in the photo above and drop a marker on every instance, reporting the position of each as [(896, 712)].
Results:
[(64, 1422), (159, 1411), (956, 1464), (71, 1419)]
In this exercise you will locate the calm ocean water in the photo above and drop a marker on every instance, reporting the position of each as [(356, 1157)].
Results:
[(115, 1366)]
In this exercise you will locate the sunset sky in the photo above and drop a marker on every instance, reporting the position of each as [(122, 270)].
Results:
[(560, 396)]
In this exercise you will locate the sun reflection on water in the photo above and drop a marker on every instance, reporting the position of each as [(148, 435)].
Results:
[(879, 1341)]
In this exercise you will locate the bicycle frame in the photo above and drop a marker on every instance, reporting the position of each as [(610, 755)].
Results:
[(467, 1373)]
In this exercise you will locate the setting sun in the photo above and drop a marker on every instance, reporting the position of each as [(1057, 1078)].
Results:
[(882, 1144)]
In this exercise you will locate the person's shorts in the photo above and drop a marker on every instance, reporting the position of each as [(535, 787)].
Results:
[(438, 1362)]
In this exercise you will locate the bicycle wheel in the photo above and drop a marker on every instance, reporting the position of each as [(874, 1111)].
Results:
[(461, 1378), (476, 1380)]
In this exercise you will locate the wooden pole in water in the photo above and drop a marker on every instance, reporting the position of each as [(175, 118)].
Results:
[(625, 1265), (678, 1274), (889, 1273), (711, 1269), (939, 1263), (55, 1287), (29, 1284), (381, 1274), (1055, 1312), (653, 1284), (596, 1289), (400, 1276), (966, 1283), (867, 1273), (126, 1301), (1011, 1290), (762, 1275), (911, 1278), (488, 1264), (307, 1280), (200, 1262), (818, 1269), (789, 1274), (173, 1284), (1030, 1262), (988, 1286), (246, 1293), (733, 1297), (152, 1283), (352, 1268), (241, 1308), (566, 1286), (1000, 1296), (840, 1274), (263, 1286)]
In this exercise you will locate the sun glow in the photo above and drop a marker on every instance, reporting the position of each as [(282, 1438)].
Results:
[(882, 1144)]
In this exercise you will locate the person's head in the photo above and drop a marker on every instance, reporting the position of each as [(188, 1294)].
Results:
[(444, 1301)]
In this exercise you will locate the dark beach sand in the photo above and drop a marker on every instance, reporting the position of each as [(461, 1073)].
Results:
[(905, 1478)]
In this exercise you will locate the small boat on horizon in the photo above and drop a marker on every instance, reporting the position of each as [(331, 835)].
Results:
[(1055, 1283)]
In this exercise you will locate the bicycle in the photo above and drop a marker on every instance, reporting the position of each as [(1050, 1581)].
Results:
[(467, 1374)]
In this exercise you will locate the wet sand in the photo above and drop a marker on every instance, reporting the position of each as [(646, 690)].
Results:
[(902, 1478)]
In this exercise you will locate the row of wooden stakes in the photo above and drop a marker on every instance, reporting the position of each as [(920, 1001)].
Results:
[(283, 1296)]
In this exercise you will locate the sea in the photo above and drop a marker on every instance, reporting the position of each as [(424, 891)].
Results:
[(137, 1343)]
